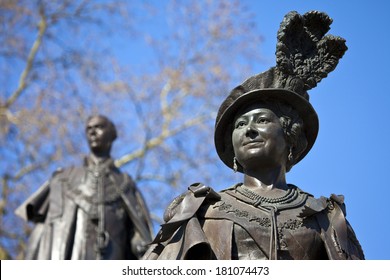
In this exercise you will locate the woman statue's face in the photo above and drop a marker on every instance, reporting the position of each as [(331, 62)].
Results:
[(258, 138)]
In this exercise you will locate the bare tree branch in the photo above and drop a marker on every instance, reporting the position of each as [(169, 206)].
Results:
[(42, 27), (88, 58), (158, 140)]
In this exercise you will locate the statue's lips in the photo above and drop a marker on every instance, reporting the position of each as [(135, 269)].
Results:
[(253, 143), (94, 140)]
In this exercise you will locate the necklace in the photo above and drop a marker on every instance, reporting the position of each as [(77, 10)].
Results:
[(290, 196)]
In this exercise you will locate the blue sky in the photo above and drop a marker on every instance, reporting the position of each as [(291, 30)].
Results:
[(351, 154), (352, 151)]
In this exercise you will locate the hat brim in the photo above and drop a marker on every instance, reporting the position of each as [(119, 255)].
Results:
[(224, 127)]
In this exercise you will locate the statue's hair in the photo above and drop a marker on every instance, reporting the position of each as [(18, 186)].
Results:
[(110, 124), (293, 128)]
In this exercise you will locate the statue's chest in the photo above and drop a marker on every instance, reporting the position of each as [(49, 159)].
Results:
[(90, 189), (267, 233), (89, 182)]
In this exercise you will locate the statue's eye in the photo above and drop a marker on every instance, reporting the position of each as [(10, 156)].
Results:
[(240, 124), (262, 120)]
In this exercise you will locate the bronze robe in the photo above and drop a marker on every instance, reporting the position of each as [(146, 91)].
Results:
[(203, 224), (73, 223)]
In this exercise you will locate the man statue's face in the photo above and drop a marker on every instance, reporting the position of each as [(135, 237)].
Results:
[(99, 135)]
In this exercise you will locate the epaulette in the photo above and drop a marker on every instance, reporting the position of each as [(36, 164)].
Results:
[(183, 208), (58, 171)]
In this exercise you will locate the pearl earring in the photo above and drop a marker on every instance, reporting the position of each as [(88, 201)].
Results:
[(290, 155)]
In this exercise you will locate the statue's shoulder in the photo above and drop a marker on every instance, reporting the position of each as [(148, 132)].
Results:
[(338, 235), (196, 195), (322, 205), (125, 184), (183, 208), (337, 201), (126, 178), (69, 176), (66, 172), (58, 172)]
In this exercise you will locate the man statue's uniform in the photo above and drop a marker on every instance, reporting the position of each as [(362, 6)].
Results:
[(88, 212)]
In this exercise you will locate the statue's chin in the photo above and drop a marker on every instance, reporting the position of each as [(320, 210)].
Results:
[(99, 150)]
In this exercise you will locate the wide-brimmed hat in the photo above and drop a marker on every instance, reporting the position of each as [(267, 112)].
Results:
[(304, 57)]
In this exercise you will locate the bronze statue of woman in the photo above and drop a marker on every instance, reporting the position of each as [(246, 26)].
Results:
[(264, 127)]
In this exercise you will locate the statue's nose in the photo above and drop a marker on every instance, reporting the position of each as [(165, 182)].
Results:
[(251, 131)]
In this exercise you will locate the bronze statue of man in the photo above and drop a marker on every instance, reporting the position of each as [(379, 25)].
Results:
[(263, 128), (89, 212)]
